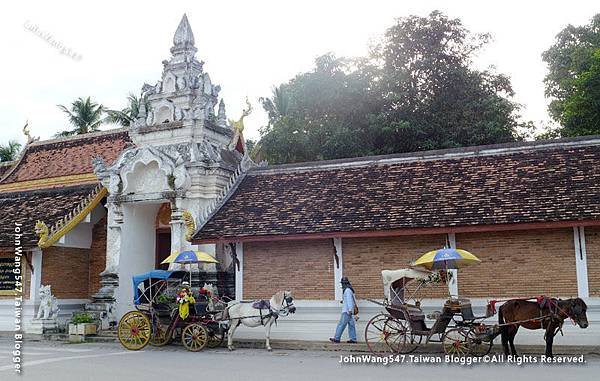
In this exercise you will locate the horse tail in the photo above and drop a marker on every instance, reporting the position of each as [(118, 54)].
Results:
[(500, 316)]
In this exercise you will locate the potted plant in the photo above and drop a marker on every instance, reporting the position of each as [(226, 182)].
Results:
[(82, 324)]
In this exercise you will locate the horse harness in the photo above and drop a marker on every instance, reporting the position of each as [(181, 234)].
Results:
[(542, 302), (262, 305), (555, 311)]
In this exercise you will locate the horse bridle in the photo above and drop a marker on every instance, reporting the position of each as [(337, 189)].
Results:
[(285, 310), (574, 315)]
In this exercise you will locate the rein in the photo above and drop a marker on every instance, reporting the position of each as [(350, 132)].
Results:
[(524, 321)]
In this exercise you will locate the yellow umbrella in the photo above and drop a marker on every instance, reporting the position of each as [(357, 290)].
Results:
[(446, 259), (190, 256)]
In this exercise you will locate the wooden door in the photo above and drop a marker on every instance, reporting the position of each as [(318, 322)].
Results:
[(163, 248)]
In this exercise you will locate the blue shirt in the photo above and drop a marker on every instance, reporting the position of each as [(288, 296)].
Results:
[(348, 306)]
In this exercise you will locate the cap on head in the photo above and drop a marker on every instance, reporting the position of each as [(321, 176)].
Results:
[(345, 280)]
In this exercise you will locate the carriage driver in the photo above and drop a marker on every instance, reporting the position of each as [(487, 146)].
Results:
[(349, 311)]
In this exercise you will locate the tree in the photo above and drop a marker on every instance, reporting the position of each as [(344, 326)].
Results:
[(573, 79), (415, 90), (581, 111), (85, 115), (127, 115), (321, 114), (432, 98), (9, 151)]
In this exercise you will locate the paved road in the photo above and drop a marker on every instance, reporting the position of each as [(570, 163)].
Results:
[(50, 361)]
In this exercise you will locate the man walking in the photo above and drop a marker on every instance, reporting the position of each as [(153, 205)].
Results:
[(349, 309)]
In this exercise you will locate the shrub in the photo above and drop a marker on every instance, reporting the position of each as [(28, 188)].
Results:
[(81, 318)]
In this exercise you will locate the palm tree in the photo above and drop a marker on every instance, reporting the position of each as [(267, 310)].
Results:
[(279, 105), (128, 114), (9, 151), (84, 115)]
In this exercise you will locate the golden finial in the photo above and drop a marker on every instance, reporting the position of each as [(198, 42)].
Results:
[(239, 125)]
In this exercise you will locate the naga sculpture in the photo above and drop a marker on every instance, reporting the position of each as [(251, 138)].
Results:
[(41, 229)]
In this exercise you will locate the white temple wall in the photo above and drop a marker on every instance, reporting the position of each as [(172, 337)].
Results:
[(138, 249)]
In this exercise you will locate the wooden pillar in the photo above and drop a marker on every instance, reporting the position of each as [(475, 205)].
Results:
[(581, 262)]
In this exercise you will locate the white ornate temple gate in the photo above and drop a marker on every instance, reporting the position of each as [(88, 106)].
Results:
[(182, 153)]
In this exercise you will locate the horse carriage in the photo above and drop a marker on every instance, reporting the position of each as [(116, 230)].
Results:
[(402, 328), (157, 320)]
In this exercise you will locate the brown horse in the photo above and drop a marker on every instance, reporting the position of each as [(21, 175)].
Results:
[(549, 314)]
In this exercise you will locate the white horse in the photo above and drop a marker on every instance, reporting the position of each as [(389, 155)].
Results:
[(256, 313)]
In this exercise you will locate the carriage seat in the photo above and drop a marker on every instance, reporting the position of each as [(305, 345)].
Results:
[(201, 306), (162, 309), (459, 306), (414, 312)]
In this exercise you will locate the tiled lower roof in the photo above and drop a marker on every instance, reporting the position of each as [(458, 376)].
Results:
[(26, 208), (526, 183)]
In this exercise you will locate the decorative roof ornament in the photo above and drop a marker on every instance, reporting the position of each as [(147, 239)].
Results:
[(49, 235), (41, 229), (237, 141), (183, 35), (190, 225), (221, 116), (239, 125), (27, 133)]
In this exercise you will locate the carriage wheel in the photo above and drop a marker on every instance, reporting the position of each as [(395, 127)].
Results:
[(376, 335), (455, 342), (160, 334), (215, 337), (400, 338), (194, 337), (134, 330), (479, 343)]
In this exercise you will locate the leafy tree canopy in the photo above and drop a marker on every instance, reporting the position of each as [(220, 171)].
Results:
[(573, 79), (415, 90)]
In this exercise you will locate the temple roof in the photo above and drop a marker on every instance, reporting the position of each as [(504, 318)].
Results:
[(534, 182), (63, 161), (53, 181)]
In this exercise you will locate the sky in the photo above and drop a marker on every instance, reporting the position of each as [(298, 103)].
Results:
[(248, 48)]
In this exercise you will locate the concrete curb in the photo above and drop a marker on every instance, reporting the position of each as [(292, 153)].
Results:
[(304, 345), (428, 348)]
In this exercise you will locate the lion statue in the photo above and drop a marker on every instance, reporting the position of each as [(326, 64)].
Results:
[(48, 304)]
